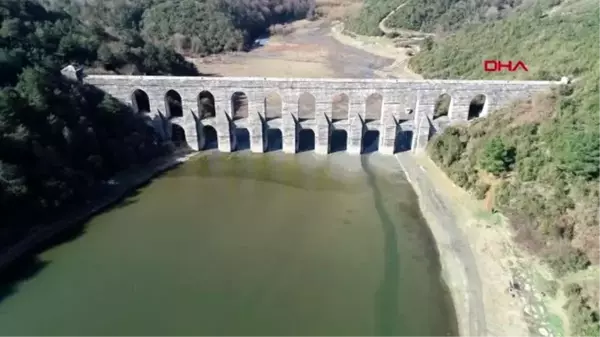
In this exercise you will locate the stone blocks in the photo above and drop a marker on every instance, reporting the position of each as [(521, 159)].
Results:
[(398, 97)]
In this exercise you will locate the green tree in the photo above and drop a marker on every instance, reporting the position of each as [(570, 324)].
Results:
[(578, 152), (495, 157)]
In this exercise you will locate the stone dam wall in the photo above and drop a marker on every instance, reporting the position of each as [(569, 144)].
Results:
[(406, 110)]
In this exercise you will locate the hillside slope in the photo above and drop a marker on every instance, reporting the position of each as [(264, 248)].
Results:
[(60, 139), (536, 161), (190, 26), (429, 15)]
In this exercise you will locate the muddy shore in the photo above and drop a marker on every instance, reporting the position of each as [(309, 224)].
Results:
[(459, 269)]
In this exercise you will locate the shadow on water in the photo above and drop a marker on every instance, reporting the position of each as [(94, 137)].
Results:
[(18, 272), (29, 264), (274, 140), (178, 136), (403, 141), (211, 140), (339, 141), (370, 141), (306, 140), (387, 295), (242, 137)]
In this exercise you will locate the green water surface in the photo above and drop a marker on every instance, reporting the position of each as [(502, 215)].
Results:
[(245, 244)]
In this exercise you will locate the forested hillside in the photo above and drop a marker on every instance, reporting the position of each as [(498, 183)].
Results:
[(60, 139), (430, 15), (191, 26), (366, 21), (537, 162)]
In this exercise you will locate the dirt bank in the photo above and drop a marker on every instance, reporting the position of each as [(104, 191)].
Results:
[(480, 259), (309, 51)]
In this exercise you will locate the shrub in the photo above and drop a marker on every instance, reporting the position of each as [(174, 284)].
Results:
[(565, 260), (496, 157), (572, 290)]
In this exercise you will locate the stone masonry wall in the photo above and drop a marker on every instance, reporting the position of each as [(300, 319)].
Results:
[(399, 96)]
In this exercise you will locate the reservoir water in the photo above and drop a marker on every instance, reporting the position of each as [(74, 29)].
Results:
[(246, 244)]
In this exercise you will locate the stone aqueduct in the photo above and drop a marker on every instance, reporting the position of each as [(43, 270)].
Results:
[(407, 108)]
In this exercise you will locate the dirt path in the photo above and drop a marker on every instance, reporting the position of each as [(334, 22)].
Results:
[(399, 49), (386, 30)]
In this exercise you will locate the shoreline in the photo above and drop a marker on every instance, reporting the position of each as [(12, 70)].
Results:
[(124, 183), (456, 248), (379, 46), (480, 259), (459, 271)]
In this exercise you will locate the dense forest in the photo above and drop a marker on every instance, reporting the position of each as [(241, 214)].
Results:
[(366, 21), (198, 27), (537, 162), (448, 15), (59, 140), (437, 16)]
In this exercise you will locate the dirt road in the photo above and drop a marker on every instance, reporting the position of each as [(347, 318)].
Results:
[(387, 30)]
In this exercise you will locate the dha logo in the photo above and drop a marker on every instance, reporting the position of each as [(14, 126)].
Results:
[(497, 65)]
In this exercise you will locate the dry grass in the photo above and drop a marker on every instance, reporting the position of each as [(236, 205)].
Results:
[(263, 67), (280, 29), (331, 10)]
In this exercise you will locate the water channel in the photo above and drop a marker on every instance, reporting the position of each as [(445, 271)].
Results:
[(246, 244)]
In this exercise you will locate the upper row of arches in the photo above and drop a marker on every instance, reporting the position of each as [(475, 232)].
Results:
[(306, 105)]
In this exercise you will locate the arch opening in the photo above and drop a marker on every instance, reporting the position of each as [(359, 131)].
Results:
[(242, 139), (442, 106), (306, 107), (273, 106), (306, 140), (274, 140), (370, 141), (338, 141), (239, 105), (140, 101), (340, 107), (403, 141), (211, 138), (476, 106), (373, 106), (173, 104), (178, 136), (206, 105)]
